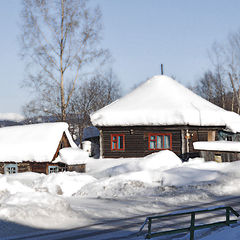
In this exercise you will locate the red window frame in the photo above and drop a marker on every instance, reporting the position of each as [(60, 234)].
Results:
[(116, 142), (159, 134)]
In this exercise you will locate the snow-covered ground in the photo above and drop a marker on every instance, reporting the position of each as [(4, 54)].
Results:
[(112, 189)]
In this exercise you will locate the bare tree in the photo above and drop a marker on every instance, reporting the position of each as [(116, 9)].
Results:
[(221, 85), (59, 38), (213, 88), (93, 94)]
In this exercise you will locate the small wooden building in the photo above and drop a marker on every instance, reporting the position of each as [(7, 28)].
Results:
[(219, 151), (160, 114), (35, 148)]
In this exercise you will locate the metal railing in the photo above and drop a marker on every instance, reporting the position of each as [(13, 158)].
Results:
[(192, 227)]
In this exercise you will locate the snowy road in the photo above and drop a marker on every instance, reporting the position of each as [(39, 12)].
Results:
[(127, 228)]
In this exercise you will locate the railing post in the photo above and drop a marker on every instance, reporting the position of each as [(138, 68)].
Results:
[(192, 226), (149, 226), (228, 216)]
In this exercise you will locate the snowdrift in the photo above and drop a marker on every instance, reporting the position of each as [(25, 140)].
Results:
[(53, 201)]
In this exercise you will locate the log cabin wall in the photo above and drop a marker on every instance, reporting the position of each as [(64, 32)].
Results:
[(26, 167), (220, 156), (202, 134), (77, 168), (136, 139), (39, 167)]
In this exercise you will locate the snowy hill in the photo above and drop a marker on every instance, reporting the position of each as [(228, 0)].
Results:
[(10, 119), (14, 117)]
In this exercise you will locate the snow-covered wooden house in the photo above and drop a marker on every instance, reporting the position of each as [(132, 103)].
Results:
[(160, 114), (35, 148)]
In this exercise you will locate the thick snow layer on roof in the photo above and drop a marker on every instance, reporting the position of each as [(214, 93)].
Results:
[(225, 146), (11, 117), (72, 156), (34, 142), (163, 101)]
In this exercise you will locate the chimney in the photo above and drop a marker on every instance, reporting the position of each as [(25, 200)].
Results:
[(162, 69)]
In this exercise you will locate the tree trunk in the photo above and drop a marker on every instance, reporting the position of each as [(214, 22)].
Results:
[(234, 91), (63, 106)]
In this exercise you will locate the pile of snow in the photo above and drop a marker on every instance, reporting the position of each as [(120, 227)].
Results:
[(38, 209), (137, 185), (225, 146), (34, 142), (156, 173), (11, 117), (158, 107), (72, 156), (36, 199), (65, 183), (157, 161)]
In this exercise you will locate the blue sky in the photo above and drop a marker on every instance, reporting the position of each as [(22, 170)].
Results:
[(141, 34)]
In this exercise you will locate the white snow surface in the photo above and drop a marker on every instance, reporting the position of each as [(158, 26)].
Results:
[(72, 156), (113, 188), (226, 146), (163, 101), (11, 117), (34, 142)]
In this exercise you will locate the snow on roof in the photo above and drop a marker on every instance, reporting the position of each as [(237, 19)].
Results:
[(11, 117), (72, 156), (90, 132), (34, 142), (224, 146), (163, 101)]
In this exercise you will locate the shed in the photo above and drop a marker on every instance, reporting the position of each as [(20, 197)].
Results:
[(34, 147), (220, 151), (160, 114)]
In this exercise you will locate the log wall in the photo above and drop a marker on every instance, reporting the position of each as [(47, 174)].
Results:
[(136, 139)]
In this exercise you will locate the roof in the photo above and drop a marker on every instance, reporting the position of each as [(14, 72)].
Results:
[(72, 156), (163, 101), (222, 146), (90, 132), (34, 142)]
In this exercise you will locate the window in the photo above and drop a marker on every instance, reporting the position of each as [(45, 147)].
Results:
[(10, 168), (159, 141), (118, 142), (53, 169), (229, 138)]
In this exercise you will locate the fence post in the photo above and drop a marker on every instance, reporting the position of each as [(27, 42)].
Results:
[(192, 226), (149, 226), (227, 216)]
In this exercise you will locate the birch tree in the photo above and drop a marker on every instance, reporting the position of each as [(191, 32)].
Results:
[(60, 40)]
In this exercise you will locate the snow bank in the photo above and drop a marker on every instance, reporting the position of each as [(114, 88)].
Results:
[(160, 108), (226, 146), (157, 161), (42, 201), (65, 183), (38, 209), (37, 200)]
